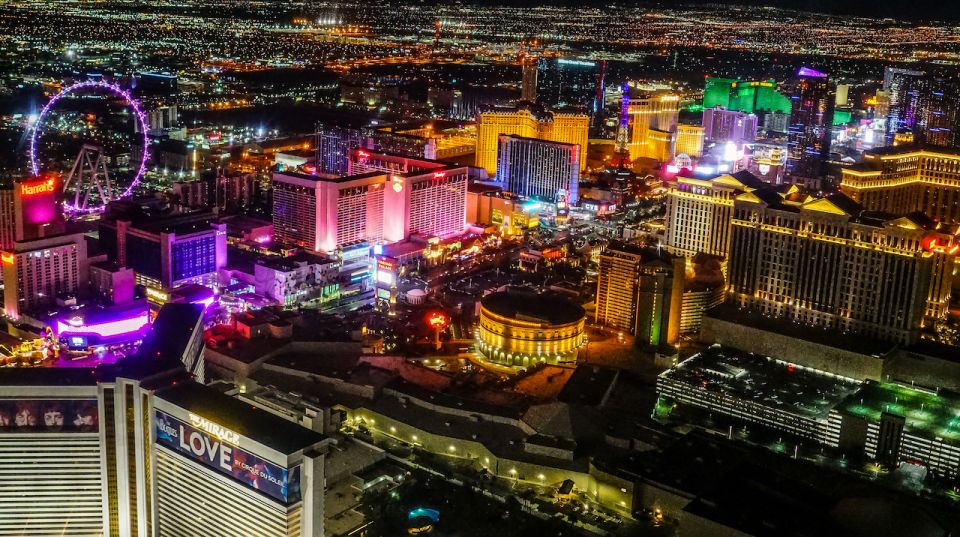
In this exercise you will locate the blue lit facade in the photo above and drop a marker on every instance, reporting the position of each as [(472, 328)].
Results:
[(195, 257), (166, 255)]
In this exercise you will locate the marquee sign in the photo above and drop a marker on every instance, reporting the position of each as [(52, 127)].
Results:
[(215, 447)]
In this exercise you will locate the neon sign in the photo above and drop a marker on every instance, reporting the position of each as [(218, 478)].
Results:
[(215, 429), (436, 319), (40, 187), (216, 453), (363, 154), (118, 327), (157, 295), (439, 175), (7, 258)]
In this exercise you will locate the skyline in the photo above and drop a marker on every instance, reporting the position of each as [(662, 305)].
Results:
[(462, 269)]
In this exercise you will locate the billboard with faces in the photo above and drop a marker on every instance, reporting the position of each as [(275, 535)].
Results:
[(49, 416)]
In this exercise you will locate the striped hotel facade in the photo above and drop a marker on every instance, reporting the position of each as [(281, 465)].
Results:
[(114, 479)]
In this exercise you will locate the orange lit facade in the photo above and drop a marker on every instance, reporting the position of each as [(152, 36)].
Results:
[(822, 262), (523, 341), (567, 128), (906, 180), (653, 121)]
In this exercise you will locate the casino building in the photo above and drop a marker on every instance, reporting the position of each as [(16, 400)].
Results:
[(521, 328), (169, 251), (539, 169), (223, 467), (139, 448), (385, 198), (905, 179)]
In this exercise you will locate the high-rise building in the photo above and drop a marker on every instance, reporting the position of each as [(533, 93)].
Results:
[(940, 115), (842, 96), (811, 121), (8, 221), (776, 122), (529, 122), (38, 271), (81, 435), (167, 252), (539, 169), (254, 469), (233, 190), (36, 209), (141, 447), (922, 105), (528, 84), (826, 263), (334, 142), (191, 194), (432, 199), (563, 82), (689, 141), (320, 214), (721, 125), (905, 179), (386, 199), (653, 122), (640, 291), (904, 87), (748, 96), (699, 212)]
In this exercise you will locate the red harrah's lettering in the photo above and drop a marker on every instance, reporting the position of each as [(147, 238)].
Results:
[(32, 189)]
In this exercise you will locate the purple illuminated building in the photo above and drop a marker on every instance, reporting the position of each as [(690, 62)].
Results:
[(811, 120), (167, 252)]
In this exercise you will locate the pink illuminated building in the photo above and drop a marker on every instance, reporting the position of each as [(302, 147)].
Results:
[(386, 198), (36, 271)]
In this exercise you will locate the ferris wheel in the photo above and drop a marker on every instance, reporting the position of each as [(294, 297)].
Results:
[(88, 186)]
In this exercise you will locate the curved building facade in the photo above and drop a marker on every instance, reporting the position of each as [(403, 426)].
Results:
[(522, 328)]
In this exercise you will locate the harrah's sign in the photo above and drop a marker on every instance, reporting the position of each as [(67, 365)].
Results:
[(37, 187)]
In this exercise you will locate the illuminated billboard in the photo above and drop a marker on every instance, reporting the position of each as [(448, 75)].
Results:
[(386, 271), (49, 416), (214, 446), (38, 200)]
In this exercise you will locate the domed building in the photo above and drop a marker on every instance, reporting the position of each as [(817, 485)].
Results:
[(521, 328)]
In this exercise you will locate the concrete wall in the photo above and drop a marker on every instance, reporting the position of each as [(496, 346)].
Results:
[(599, 486), (798, 351), (924, 370), (653, 495)]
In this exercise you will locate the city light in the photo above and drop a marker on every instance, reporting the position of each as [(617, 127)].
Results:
[(668, 257), (139, 117)]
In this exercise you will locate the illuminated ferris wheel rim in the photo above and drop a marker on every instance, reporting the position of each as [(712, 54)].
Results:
[(141, 119)]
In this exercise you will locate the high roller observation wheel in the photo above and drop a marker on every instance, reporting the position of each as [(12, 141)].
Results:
[(141, 118)]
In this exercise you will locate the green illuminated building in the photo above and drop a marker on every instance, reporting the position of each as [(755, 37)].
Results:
[(896, 423), (841, 117), (749, 96)]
